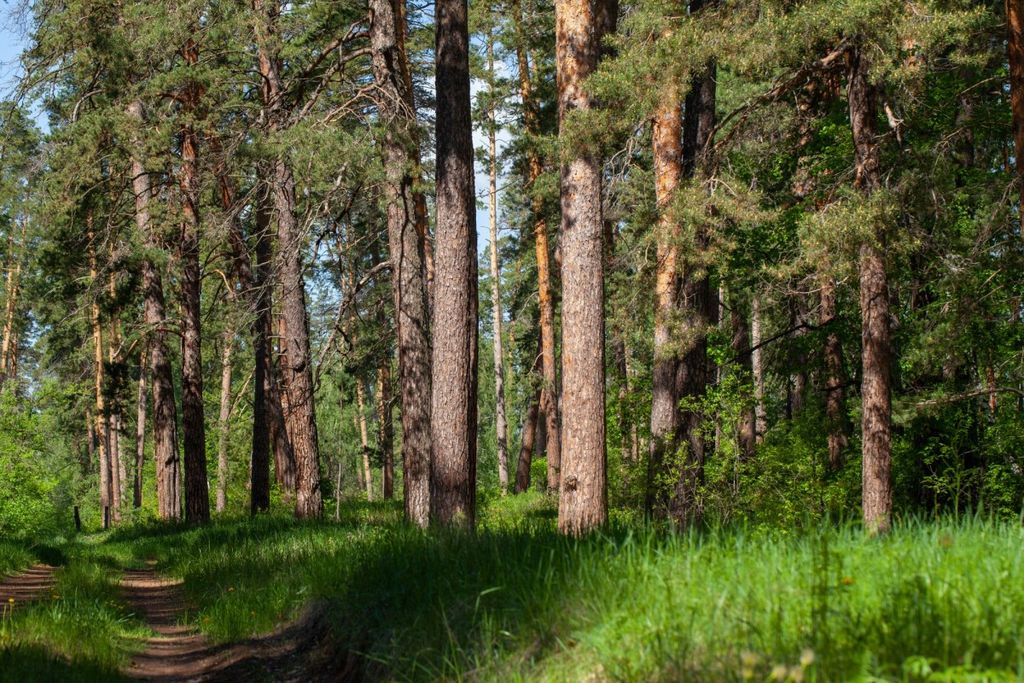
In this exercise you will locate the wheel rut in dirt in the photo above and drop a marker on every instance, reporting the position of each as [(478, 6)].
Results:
[(298, 651), (25, 587)]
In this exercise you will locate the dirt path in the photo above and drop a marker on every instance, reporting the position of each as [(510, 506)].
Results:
[(299, 651), (33, 583)]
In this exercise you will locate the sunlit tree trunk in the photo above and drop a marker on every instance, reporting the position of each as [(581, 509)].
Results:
[(224, 421), (835, 400), (9, 345), (165, 418), (453, 425), (140, 427), (364, 438), (757, 368), (102, 428), (874, 305), (115, 454), (385, 428), (407, 243), (583, 494)]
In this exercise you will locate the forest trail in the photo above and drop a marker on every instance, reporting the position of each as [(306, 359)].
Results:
[(179, 653), (29, 585)]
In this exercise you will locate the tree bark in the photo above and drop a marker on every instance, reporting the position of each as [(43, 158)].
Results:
[(297, 370), (385, 428), (364, 438), (453, 425), (115, 454), (740, 346), (165, 418), (545, 297), (583, 499), (1015, 58), (224, 421), (9, 346), (667, 144), (197, 490), (140, 428), (835, 401), (757, 368), (501, 427), (102, 419), (874, 304), (407, 233)]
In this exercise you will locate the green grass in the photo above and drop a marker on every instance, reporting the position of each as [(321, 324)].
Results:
[(14, 556), (939, 601)]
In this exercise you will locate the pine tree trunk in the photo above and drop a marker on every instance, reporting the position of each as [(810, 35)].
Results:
[(545, 298), (364, 438), (528, 436), (385, 428), (757, 368), (9, 346), (115, 437), (874, 304), (102, 419), (1015, 58), (501, 427), (835, 401), (667, 144), (407, 242), (741, 348), (453, 425), (140, 428), (297, 369), (583, 499), (224, 421), (165, 418)]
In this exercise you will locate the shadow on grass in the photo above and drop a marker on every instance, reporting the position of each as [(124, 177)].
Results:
[(31, 663)]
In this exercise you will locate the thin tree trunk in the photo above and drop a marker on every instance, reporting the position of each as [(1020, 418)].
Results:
[(102, 419), (296, 368), (874, 305), (197, 492), (667, 147), (757, 368), (583, 499), (499, 362), (224, 422), (407, 242), (364, 438), (835, 401), (165, 418), (1015, 58), (386, 429), (9, 346), (453, 424), (140, 428), (115, 455), (526, 448), (545, 297), (740, 347)]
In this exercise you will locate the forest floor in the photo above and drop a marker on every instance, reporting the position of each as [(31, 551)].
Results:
[(366, 598)]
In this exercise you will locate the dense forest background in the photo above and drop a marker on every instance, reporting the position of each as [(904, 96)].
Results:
[(743, 261)]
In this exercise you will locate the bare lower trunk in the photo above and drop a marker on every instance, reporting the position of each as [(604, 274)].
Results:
[(224, 421), (102, 419), (874, 305), (453, 425), (583, 499), (501, 428), (667, 142), (114, 420), (407, 243), (747, 431), (9, 345), (140, 428), (757, 368), (364, 438), (526, 447), (835, 401), (385, 429)]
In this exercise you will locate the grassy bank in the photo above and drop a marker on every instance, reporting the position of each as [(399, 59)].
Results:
[(932, 601), (936, 601)]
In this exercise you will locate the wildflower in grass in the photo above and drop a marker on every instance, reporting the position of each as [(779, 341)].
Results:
[(779, 673), (807, 657)]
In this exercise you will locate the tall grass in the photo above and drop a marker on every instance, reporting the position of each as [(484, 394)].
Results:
[(517, 601)]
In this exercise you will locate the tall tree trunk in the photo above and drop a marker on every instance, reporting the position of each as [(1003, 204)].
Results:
[(499, 357), (453, 425), (874, 305), (757, 368), (835, 401), (545, 297), (9, 345), (197, 490), (741, 348), (297, 370), (407, 240), (364, 438), (583, 499), (385, 428), (165, 412), (224, 421), (1015, 57), (697, 305), (140, 428), (528, 436), (115, 436), (667, 144), (102, 419)]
